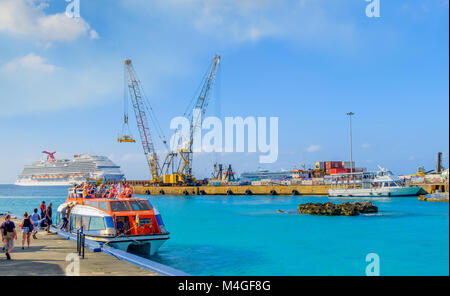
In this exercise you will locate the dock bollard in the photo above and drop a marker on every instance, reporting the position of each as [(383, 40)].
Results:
[(84, 239), (78, 242)]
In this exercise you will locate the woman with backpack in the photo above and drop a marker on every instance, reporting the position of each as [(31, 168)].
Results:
[(27, 228)]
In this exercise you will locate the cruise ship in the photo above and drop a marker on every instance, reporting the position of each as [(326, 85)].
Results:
[(66, 172)]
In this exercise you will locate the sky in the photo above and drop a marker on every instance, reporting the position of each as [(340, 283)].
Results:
[(307, 62)]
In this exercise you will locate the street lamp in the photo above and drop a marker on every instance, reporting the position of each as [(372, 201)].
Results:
[(350, 114)]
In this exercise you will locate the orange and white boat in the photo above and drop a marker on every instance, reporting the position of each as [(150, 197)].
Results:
[(122, 222)]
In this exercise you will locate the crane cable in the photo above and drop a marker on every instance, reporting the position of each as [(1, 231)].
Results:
[(189, 109), (152, 114)]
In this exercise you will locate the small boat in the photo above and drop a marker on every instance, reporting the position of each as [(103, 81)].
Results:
[(370, 184), (123, 223)]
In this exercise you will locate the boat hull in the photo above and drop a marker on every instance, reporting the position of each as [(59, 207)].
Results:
[(375, 192), (145, 244)]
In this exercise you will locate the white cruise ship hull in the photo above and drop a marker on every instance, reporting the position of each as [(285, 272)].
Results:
[(46, 183), (67, 172)]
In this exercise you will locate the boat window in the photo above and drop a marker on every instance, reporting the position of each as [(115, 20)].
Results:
[(77, 222), (118, 206), (97, 223), (146, 221), (139, 205), (91, 203), (85, 222), (103, 205), (109, 222)]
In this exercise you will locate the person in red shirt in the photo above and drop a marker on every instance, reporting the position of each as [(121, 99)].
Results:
[(43, 208)]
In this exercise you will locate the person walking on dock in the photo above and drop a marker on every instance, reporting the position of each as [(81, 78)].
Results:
[(9, 234), (35, 218), (48, 217), (26, 226), (64, 216), (43, 209)]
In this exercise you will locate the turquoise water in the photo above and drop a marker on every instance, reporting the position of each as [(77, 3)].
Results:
[(241, 235)]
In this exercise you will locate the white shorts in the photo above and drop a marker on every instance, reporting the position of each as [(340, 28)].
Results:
[(35, 227), (26, 230)]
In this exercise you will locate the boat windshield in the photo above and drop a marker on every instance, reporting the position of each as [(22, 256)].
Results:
[(139, 205), (119, 206)]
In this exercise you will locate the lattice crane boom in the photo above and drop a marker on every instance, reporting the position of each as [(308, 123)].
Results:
[(137, 100), (186, 152)]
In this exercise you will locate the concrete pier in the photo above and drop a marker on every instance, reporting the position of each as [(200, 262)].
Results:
[(233, 190), (48, 254), (141, 187)]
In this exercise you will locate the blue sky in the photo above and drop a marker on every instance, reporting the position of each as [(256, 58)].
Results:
[(307, 62)]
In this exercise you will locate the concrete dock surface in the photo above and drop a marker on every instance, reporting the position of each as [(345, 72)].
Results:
[(52, 255)]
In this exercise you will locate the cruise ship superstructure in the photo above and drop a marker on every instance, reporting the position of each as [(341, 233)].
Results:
[(66, 172)]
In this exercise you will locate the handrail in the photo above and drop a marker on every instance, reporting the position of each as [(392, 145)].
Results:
[(81, 242)]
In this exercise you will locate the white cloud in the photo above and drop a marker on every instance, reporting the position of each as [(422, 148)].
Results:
[(251, 20), (93, 34), (28, 62), (314, 148), (366, 146), (26, 17), (50, 88)]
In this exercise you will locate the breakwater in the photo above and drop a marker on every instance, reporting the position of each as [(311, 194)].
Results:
[(233, 190), (143, 187)]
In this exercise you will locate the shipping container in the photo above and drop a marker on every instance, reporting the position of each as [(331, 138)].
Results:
[(320, 165), (339, 171), (348, 164), (333, 165)]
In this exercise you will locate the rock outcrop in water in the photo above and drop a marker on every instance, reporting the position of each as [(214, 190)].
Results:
[(331, 209)]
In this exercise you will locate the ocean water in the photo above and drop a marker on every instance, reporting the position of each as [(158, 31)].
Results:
[(244, 235)]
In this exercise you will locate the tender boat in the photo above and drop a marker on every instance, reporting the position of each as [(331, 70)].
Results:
[(370, 184), (126, 223)]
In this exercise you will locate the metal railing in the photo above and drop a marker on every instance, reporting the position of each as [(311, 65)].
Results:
[(81, 242)]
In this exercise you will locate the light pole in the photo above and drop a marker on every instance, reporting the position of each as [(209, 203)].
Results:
[(350, 114)]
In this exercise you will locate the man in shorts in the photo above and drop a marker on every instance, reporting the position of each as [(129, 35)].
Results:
[(48, 217), (9, 234)]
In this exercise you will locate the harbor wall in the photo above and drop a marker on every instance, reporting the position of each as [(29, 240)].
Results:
[(142, 187), (434, 187), (233, 190)]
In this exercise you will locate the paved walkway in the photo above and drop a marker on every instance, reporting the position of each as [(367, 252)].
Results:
[(47, 256)]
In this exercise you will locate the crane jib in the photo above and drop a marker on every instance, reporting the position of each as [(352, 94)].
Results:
[(141, 119)]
